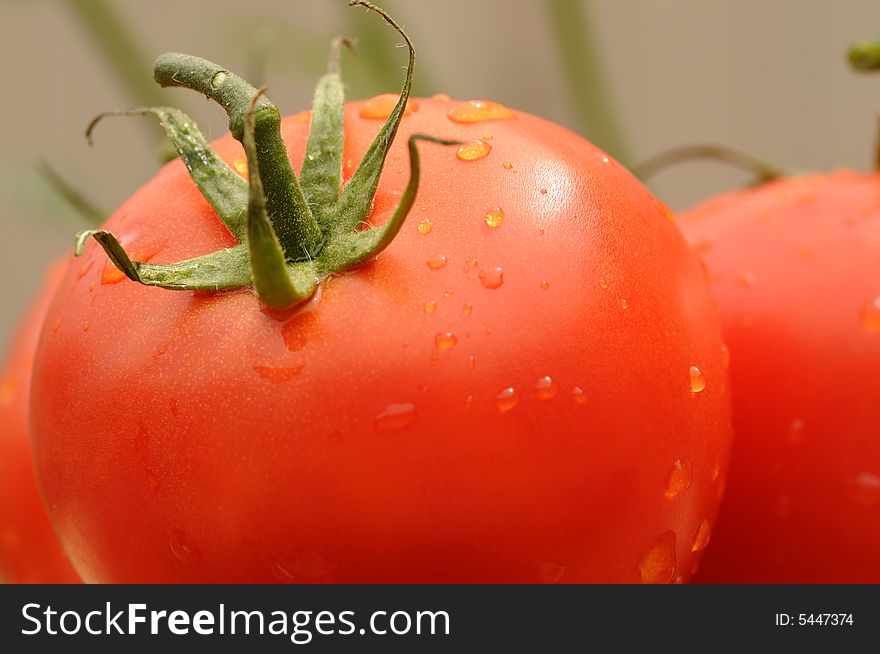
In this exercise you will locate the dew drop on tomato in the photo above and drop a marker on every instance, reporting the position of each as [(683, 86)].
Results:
[(437, 262), (472, 362), (430, 306), (477, 111), (473, 150), (425, 226), (546, 388), (658, 564), (506, 400), (495, 217), (697, 379), (578, 395), (492, 278), (395, 417), (468, 309), (680, 478), (445, 341), (871, 316), (544, 284), (701, 539), (182, 548)]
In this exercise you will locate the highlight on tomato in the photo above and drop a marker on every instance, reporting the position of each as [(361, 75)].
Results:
[(261, 373)]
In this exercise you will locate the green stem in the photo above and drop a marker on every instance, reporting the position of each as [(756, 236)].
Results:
[(581, 61), (763, 171), (291, 217), (272, 284)]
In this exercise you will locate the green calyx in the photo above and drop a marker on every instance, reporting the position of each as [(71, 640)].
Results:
[(292, 232)]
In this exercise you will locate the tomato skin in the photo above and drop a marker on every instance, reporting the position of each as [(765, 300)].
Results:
[(30, 553), (795, 265), (196, 438)]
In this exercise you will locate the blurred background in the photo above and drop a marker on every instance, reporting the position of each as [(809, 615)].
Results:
[(636, 77)]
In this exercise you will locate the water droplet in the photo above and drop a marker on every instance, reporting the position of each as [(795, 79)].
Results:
[(475, 111), (430, 306), (445, 341), (295, 332), (492, 278), (425, 226), (87, 327), (506, 400), (864, 489), (278, 375), (507, 165), (578, 395), (725, 355), (658, 565), (550, 572), (218, 79), (603, 283), (716, 470), (495, 217), (698, 379), (395, 417), (795, 433), (381, 106), (182, 548), (543, 191), (544, 284), (546, 388), (701, 539), (679, 478), (473, 150), (469, 403), (747, 279), (468, 309), (471, 263), (240, 165), (871, 316), (440, 97), (447, 294), (436, 262), (624, 303), (472, 362)]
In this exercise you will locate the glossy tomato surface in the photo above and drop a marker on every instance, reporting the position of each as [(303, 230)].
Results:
[(30, 553), (796, 270), (527, 386)]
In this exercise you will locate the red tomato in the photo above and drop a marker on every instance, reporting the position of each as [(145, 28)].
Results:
[(796, 270), (29, 550), (527, 385)]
